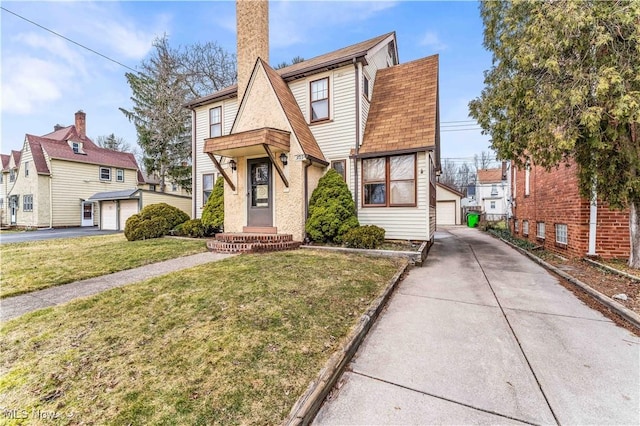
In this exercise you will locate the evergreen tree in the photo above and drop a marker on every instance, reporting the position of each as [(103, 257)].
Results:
[(565, 83)]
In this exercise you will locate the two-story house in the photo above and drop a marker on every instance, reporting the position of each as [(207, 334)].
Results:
[(356, 110), (492, 193), (50, 182)]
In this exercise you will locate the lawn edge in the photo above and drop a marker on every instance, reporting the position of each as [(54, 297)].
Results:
[(627, 314), (308, 405), (611, 269)]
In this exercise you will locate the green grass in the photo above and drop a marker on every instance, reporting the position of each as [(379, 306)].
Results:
[(230, 342), (37, 265)]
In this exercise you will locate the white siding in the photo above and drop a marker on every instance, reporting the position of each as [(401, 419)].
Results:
[(403, 223), (203, 163)]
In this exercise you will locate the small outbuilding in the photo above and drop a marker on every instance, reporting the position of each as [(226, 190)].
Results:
[(448, 211)]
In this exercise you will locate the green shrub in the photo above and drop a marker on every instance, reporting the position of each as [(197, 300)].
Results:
[(366, 237), (332, 212), (153, 221), (193, 228), (213, 212)]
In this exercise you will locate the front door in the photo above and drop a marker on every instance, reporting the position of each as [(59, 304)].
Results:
[(13, 208), (260, 211), (87, 214)]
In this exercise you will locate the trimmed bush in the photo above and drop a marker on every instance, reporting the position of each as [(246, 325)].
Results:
[(213, 212), (193, 228), (332, 212), (365, 237), (153, 221)]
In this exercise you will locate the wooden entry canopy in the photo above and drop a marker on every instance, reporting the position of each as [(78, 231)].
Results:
[(252, 142)]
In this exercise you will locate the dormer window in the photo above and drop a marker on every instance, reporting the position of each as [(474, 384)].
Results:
[(76, 147)]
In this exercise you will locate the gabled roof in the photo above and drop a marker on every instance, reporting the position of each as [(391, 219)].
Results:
[(304, 68), (16, 157), (293, 113), (145, 178), (4, 158), (69, 133), (404, 109), (490, 176), (60, 150), (38, 155), (450, 189)]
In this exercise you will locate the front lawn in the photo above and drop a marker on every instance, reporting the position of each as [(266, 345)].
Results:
[(37, 265), (229, 342)]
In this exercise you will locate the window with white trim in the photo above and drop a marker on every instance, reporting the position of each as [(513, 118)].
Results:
[(540, 230), (27, 203), (516, 226), (320, 99), (12, 175), (525, 227), (562, 233), (120, 175), (174, 187), (105, 173), (527, 179), (215, 122), (26, 169), (493, 205), (389, 181), (494, 189), (207, 187), (76, 147)]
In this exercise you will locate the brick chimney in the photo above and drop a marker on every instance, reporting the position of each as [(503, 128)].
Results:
[(81, 124), (252, 26)]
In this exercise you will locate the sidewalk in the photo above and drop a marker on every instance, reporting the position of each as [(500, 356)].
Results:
[(13, 307), (483, 335)]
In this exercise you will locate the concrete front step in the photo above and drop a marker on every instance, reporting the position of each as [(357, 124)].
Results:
[(251, 243)]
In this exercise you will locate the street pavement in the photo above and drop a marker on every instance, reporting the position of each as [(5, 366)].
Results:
[(483, 335), (50, 233)]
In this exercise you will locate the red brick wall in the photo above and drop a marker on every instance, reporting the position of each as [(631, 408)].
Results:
[(554, 199)]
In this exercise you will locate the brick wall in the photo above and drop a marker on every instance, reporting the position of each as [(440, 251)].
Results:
[(554, 199)]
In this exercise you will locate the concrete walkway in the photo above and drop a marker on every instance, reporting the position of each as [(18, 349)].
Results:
[(482, 335), (13, 307)]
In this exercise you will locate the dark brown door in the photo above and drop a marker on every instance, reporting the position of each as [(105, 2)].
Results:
[(260, 205)]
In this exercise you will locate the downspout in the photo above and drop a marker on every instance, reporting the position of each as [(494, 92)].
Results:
[(306, 191), (593, 222), (358, 119), (50, 203), (194, 163)]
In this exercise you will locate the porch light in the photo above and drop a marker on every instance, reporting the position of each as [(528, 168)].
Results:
[(233, 165), (284, 159)]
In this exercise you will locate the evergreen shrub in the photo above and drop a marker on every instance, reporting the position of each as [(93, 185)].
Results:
[(365, 237), (153, 221), (213, 212), (332, 212)]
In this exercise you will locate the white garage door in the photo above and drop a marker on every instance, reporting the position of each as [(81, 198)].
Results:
[(109, 215), (127, 209), (446, 213)]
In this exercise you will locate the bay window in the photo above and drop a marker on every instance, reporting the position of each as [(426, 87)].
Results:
[(389, 181)]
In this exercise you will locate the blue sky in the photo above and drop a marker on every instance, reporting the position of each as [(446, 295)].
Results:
[(46, 79)]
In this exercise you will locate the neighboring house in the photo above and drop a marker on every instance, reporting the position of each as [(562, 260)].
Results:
[(492, 192), (49, 183), (53, 181), (278, 131), (549, 211), (152, 183), (448, 205)]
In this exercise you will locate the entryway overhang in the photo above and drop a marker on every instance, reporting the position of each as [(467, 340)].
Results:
[(249, 143)]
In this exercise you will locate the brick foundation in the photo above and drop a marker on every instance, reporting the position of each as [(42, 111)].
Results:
[(251, 243)]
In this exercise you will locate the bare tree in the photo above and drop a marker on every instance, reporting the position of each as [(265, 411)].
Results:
[(113, 142), (448, 176), (207, 68), (294, 60), (483, 161)]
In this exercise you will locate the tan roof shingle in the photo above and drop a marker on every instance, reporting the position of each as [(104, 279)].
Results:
[(404, 108)]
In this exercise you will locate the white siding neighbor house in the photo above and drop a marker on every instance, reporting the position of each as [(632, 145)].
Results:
[(356, 110)]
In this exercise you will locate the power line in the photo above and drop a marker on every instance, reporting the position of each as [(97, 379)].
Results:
[(458, 121), (68, 39), (460, 130)]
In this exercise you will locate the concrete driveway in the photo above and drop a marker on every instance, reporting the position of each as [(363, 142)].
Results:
[(482, 335), (47, 234)]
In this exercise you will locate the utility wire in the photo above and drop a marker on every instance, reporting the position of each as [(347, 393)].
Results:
[(68, 39)]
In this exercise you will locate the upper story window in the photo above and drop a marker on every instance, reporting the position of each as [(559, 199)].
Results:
[(493, 205), (152, 187), (174, 187), (12, 175), (389, 181), (76, 147), (320, 99), (494, 189), (1, 177), (215, 122), (105, 173), (120, 175), (365, 88), (26, 168)]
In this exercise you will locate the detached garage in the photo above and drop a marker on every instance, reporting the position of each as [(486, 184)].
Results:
[(447, 205), (118, 206)]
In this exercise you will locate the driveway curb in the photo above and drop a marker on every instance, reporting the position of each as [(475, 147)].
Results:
[(307, 406), (625, 313)]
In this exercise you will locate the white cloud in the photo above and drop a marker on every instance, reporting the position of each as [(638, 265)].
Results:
[(432, 40)]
